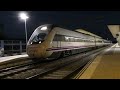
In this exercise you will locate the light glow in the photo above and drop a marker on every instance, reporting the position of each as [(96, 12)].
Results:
[(44, 28), (23, 16)]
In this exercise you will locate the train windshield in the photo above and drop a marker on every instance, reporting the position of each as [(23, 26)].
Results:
[(38, 38), (39, 34)]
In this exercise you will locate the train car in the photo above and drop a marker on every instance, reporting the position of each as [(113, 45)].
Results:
[(51, 41)]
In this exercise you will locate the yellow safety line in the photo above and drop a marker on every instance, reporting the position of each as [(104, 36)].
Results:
[(116, 47), (108, 49), (90, 70)]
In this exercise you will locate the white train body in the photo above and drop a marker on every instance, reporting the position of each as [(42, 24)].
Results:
[(52, 41)]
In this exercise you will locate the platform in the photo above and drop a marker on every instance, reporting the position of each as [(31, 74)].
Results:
[(104, 66), (8, 58)]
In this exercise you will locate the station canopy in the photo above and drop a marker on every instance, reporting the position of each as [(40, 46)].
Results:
[(86, 32), (114, 29)]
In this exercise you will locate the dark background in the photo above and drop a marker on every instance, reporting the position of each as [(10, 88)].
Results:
[(92, 21)]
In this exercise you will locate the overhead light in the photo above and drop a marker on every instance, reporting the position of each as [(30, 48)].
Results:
[(23, 16), (44, 28)]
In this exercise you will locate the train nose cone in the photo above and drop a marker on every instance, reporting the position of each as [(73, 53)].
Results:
[(35, 52), (31, 52)]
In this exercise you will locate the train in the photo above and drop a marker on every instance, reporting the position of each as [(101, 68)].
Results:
[(52, 41)]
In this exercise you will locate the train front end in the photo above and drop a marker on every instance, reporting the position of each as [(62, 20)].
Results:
[(37, 44)]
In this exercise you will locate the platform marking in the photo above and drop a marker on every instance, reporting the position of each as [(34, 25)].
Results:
[(90, 70), (3, 59), (107, 50), (117, 49)]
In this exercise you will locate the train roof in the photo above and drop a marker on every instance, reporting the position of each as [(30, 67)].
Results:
[(77, 30), (86, 32)]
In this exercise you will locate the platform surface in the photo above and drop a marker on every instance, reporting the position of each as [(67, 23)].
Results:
[(104, 66), (8, 58)]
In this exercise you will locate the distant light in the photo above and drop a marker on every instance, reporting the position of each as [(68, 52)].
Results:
[(23, 16), (66, 37), (44, 28)]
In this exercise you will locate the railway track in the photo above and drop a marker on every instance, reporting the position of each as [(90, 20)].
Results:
[(64, 71), (57, 69), (28, 71), (14, 62), (17, 69)]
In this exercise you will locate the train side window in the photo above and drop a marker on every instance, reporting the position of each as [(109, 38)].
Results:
[(71, 39), (76, 39), (62, 38), (84, 40), (59, 38), (66, 38), (55, 37), (80, 40)]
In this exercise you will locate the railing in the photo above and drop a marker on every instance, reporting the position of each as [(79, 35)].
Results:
[(12, 46)]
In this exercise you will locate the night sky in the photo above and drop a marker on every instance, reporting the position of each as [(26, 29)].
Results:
[(92, 21)]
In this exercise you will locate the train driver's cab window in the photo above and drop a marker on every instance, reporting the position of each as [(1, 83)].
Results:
[(39, 38)]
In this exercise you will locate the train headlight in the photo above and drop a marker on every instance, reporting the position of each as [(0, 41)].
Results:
[(44, 28)]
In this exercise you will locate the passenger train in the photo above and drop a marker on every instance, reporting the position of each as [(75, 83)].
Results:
[(51, 41)]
